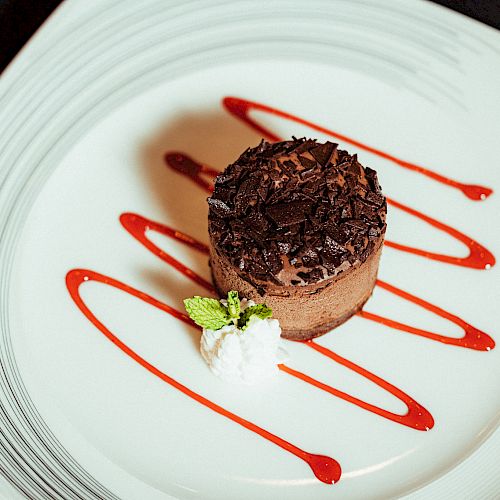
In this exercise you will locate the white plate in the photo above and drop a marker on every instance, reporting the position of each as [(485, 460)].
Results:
[(88, 110)]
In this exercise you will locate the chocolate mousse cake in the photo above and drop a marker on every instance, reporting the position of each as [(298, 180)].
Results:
[(298, 225)]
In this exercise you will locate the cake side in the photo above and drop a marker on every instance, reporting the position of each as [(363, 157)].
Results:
[(307, 311)]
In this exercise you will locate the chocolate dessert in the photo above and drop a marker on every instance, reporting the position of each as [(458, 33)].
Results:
[(298, 225)]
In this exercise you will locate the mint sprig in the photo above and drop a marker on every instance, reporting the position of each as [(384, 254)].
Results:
[(212, 315), (207, 313), (260, 311), (233, 305)]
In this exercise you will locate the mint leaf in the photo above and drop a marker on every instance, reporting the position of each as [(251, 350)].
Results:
[(260, 310), (233, 304), (207, 313)]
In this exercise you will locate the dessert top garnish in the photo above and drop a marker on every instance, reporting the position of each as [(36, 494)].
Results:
[(213, 314), (240, 341), (296, 212)]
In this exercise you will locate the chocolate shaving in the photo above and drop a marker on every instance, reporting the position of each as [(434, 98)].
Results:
[(286, 214), (219, 207), (323, 152)]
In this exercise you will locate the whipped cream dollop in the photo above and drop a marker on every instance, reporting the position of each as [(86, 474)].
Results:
[(244, 356)]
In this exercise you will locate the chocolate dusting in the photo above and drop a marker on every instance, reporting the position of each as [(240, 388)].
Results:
[(296, 212)]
